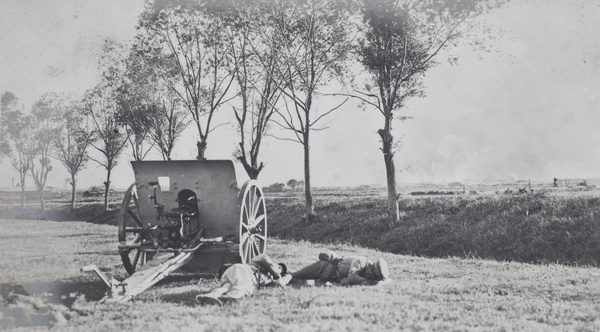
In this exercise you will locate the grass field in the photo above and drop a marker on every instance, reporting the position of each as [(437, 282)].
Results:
[(458, 262), (542, 225), (547, 225), (425, 294)]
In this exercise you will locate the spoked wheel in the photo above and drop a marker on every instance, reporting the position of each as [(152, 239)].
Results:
[(130, 232), (253, 221)]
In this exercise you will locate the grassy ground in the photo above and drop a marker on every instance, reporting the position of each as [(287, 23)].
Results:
[(542, 227), (425, 294), (549, 225)]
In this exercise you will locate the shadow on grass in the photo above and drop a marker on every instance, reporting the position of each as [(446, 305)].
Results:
[(45, 304), (187, 298), (63, 293)]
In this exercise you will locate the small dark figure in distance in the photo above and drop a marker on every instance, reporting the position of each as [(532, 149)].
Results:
[(241, 280), (357, 270)]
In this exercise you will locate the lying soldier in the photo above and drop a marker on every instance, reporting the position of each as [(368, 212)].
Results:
[(241, 280), (347, 271)]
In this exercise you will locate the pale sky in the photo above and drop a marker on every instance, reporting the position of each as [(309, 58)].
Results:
[(528, 111)]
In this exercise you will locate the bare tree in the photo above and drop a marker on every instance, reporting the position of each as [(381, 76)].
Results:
[(255, 62), (20, 146), (167, 127), (193, 37), (72, 140), (147, 106), (314, 39), (109, 136), (100, 105), (44, 115), (134, 119), (401, 42), (135, 113)]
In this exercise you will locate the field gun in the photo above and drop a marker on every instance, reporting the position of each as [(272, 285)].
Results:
[(185, 213)]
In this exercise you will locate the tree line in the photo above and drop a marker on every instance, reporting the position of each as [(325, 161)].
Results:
[(268, 62)]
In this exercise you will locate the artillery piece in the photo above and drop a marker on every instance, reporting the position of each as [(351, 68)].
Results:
[(185, 213)]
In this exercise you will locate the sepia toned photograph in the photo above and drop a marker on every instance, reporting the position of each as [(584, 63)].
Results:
[(300, 165)]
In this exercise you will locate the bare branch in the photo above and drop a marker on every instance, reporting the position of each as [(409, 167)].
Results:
[(328, 112)]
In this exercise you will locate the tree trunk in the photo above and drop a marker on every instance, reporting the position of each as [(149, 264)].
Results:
[(390, 170), (201, 148), (252, 171), (22, 192), (41, 194), (307, 194), (72, 191), (106, 187)]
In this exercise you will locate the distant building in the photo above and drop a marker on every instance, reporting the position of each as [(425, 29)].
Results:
[(569, 182), (93, 191), (97, 191)]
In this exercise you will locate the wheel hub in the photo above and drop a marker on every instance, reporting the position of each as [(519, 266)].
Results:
[(256, 230)]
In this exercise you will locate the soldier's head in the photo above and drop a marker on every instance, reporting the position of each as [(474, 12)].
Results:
[(381, 269), (283, 269), (377, 271), (280, 270)]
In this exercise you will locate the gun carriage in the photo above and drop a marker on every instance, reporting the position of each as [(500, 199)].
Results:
[(185, 213)]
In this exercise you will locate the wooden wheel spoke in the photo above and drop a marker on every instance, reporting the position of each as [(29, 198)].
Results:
[(134, 217), (135, 202), (247, 208), (255, 249), (257, 205), (136, 258), (252, 199), (244, 238), (249, 220), (259, 219)]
